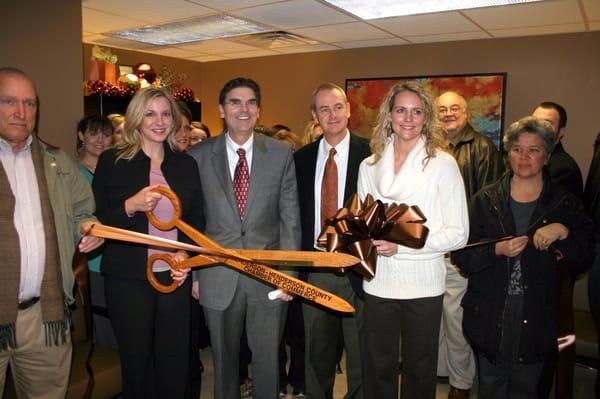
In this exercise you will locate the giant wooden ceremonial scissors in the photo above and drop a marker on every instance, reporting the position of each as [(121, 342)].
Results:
[(248, 261)]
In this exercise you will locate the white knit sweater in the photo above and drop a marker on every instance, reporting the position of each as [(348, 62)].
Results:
[(438, 190)]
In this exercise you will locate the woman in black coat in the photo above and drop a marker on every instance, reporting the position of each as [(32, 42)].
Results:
[(510, 303), (152, 329)]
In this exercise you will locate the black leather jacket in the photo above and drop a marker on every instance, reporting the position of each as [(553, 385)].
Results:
[(478, 159), (488, 273)]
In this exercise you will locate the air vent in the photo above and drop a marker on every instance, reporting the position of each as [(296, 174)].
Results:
[(273, 40)]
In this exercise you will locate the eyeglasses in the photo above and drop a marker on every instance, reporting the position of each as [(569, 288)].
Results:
[(237, 103), (455, 109)]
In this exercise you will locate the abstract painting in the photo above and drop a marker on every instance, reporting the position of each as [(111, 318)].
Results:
[(484, 94)]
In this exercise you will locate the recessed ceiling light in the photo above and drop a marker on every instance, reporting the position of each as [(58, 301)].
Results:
[(191, 30), (394, 8)]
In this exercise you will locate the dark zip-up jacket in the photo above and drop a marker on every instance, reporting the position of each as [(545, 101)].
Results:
[(478, 159), (488, 273), (116, 180)]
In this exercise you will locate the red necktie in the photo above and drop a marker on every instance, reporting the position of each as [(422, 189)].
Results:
[(329, 188), (241, 178)]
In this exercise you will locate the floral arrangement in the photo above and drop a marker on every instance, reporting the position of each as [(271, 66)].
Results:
[(144, 76)]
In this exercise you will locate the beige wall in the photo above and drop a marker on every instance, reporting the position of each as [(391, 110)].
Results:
[(44, 39), (561, 68)]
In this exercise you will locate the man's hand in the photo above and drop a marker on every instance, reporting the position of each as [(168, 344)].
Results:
[(280, 294), (88, 243), (196, 290)]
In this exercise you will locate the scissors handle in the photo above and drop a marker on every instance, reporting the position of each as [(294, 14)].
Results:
[(169, 224), (165, 289)]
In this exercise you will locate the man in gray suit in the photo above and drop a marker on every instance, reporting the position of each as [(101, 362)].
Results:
[(250, 201)]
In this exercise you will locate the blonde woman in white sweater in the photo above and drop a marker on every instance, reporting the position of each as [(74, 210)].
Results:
[(404, 299)]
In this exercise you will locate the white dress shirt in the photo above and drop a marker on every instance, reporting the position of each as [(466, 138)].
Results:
[(341, 159), (233, 157), (27, 218)]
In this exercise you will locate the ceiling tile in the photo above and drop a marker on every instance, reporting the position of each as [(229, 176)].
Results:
[(207, 58), (372, 43), (100, 22), (175, 52), (116, 42), (448, 37), (420, 25), (227, 5), (539, 30), (523, 15), (294, 14), (307, 49), (592, 9), (154, 11), (216, 46), (250, 54), (343, 32)]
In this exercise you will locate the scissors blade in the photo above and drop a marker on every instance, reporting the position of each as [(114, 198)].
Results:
[(300, 258)]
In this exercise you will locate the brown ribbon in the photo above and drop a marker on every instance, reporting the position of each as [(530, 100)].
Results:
[(354, 227)]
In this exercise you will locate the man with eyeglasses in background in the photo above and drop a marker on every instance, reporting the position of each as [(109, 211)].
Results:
[(480, 163), (250, 201)]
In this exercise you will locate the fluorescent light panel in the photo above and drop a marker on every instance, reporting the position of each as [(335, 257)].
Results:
[(191, 30), (373, 9)]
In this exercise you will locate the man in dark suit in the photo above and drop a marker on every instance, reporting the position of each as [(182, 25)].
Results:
[(563, 169), (250, 201), (564, 172), (323, 328)]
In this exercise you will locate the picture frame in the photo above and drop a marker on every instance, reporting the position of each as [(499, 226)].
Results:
[(484, 92), (125, 69)]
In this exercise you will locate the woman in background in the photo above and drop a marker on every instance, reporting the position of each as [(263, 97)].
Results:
[(404, 299), (312, 131), (152, 328), (118, 122), (199, 132), (94, 136), (511, 299)]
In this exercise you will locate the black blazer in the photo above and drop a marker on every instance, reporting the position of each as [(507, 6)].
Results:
[(115, 181), (305, 160)]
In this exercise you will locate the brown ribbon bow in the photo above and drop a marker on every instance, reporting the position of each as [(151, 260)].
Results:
[(353, 228)]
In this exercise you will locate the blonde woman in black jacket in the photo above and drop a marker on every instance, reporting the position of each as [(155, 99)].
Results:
[(510, 303)]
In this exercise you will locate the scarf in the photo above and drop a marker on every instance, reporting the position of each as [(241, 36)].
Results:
[(54, 315)]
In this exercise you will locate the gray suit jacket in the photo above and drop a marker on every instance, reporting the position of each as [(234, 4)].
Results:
[(272, 218)]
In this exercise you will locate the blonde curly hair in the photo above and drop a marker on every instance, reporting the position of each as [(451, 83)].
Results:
[(432, 129)]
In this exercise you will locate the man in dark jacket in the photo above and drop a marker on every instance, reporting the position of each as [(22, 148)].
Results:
[(592, 206), (327, 172), (480, 163), (563, 171)]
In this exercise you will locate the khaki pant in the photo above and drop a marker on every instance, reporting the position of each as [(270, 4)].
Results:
[(38, 371), (456, 359)]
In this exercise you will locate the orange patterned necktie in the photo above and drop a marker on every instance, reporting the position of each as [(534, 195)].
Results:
[(329, 188), (241, 178)]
